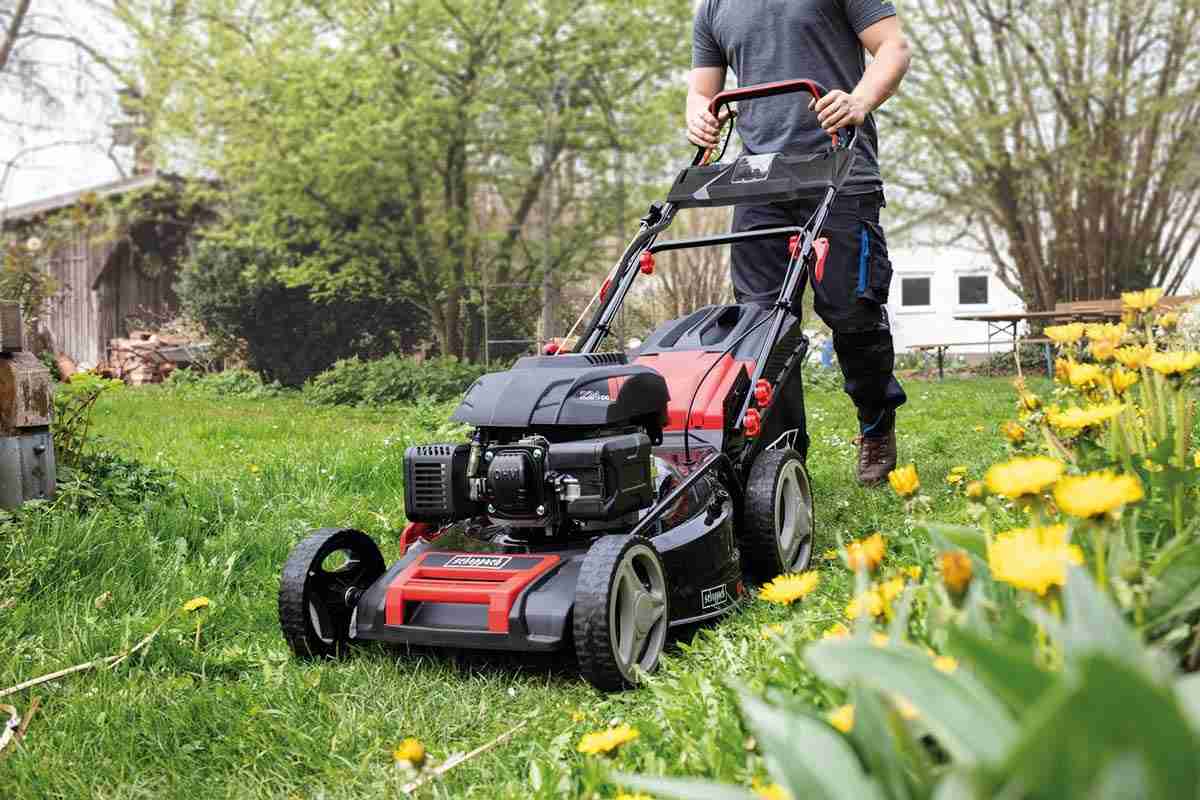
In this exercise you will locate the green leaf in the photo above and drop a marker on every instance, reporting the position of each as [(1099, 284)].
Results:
[(805, 755), (683, 788), (1112, 710), (1187, 690), (1122, 779), (945, 536), (875, 733), (972, 724), (1007, 668), (1091, 623), (1177, 591)]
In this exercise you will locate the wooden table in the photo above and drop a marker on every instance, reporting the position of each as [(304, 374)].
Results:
[(1005, 323)]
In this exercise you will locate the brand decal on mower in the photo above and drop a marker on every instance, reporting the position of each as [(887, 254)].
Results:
[(715, 597), (479, 562), (592, 394)]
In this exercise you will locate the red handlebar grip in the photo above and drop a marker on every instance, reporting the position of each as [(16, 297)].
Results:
[(762, 90)]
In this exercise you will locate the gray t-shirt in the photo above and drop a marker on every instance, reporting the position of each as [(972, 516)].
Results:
[(776, 40)]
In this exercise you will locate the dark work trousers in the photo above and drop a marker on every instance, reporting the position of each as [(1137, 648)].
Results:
[(849, 294)]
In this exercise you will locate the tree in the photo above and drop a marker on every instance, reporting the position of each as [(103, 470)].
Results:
[(1063, 137), (690, 279), (400, 149)]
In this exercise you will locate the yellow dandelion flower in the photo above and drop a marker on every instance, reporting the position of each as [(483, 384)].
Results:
[(254, 468), (975, 490), (866, 553), (787, 589), (913, 572), (945, 664), (1028, 400), (869, 603), (1174, 363), (578, 716), (842, 718), (829, 555), (907, 710), (410, 751), (771, 631), (1141, 301), (889, 590), (1103, 349), (1134, 357), (1113, 332), (1098, 493), (1013, 432), (638, 796), (195, 604), (1122, 379), (1033, 559), (1078, 419), (1022, 476), (1083, 375), (880, 639), (836, 631), (904, 480), (770, 791), (1062, 367), (1169, 321), (599, 742), (1065, 334), (955, 478), (956, 571), (1196, 459)]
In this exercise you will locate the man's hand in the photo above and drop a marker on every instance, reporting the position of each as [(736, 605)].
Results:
[(838, 110), (704, 130)]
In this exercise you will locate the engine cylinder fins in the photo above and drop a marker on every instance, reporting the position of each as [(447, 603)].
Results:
[(323, 578), (621, 613)]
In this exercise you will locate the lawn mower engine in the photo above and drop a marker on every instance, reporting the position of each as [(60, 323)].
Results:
[(562, 447)]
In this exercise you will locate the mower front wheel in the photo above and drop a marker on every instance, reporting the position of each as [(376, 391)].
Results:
[(777, 516), (322, 580), (621, 611)]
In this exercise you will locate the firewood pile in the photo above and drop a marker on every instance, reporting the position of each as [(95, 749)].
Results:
[(146, 357)]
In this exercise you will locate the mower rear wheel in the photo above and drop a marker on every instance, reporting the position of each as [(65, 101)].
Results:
[(322, 580), (621, 611), (777, 517)]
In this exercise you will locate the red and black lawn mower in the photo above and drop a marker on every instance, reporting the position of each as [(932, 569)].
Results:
[(605, 501)]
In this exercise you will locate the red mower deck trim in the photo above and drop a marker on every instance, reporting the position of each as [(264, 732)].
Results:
[(684, 370), (497, 588)]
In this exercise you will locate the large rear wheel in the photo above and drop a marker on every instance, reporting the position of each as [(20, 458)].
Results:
[(322, 581), (621, 612), (778, 516)]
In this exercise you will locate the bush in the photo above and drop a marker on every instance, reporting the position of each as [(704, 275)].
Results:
[(392, 379), (1033, 360), (230, 383), (283, 332), (74, 402), (102, 477)]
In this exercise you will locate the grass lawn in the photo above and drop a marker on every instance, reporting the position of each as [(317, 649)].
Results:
[(236, 717)]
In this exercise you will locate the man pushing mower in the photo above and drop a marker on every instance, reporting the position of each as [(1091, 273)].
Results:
[(764, 41)]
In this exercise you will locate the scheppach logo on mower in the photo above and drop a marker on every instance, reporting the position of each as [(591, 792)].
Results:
[(479, 562), (592, 394), (715, 597)]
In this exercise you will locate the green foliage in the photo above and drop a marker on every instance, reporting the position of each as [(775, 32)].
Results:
[(229, 383), (103, 478), (411, 158), (74, 402), (392, 379), (1110, 722), (283, 332)]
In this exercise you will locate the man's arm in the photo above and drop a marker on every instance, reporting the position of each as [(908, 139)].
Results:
[(886, 42), (704, 83)]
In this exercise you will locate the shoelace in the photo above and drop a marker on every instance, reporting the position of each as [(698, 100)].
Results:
[(871, 450)]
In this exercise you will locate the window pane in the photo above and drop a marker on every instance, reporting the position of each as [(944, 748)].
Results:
[(914, 292), (973, 290)]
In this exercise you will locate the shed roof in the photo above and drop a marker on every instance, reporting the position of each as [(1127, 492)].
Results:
[(36, 207)]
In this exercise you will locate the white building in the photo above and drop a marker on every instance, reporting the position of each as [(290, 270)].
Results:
[(933, 285)]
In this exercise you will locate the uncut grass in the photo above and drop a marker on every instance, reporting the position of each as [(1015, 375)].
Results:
[(237, 717)]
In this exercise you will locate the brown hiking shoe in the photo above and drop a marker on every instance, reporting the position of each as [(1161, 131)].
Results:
[(876, 458)]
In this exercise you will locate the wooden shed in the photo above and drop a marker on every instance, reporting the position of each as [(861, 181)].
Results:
[(116, 272)]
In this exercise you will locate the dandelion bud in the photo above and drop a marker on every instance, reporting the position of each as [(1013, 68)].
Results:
[(956, 571)]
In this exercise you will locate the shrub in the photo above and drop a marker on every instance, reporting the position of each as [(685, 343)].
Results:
[(230, 383), (102, 477), (283, 332), (392, 379), (74, 402)]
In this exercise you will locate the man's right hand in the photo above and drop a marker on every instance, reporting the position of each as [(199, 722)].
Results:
[(704, 130)]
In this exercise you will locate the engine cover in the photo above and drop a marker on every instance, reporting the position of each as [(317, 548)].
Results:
[(571, 391)]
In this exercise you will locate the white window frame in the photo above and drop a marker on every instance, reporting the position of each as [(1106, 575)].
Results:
[(900, 308), (973, 273)]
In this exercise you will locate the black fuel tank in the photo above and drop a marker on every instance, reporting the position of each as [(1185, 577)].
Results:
[(567, 390)]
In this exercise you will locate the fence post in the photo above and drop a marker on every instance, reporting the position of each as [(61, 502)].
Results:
[(26, 404)]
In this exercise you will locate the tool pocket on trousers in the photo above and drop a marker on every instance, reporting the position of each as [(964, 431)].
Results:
[(874, 266)]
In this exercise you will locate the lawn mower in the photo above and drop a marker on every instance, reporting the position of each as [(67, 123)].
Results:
[(605, 500)]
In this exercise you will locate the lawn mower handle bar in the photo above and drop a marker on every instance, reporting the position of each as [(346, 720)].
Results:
[(761, 90), (726, 238)]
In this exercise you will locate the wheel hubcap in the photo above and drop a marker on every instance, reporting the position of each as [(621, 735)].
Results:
[(638, 611), (793, 515)]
